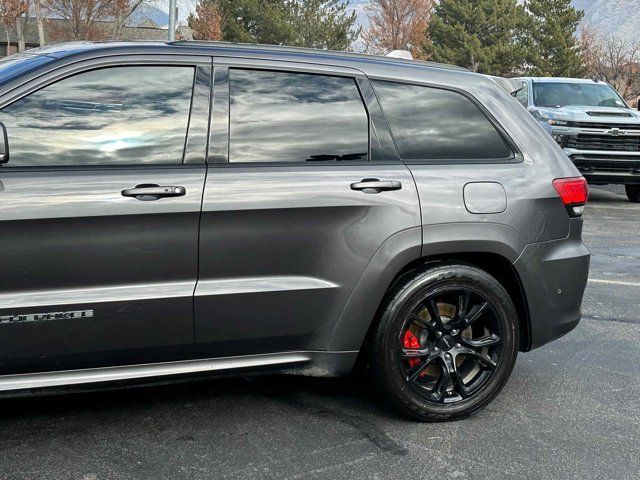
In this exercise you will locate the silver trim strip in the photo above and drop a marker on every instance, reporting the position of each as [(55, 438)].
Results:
[(101, 294), (130, 372), (235, 286)]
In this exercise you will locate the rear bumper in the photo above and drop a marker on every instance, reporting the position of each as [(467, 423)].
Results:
[(554, 276)]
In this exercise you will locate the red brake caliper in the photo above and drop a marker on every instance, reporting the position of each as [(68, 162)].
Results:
[(411, 341)]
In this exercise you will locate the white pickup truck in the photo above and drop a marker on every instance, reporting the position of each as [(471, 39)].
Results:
[(592, 123)]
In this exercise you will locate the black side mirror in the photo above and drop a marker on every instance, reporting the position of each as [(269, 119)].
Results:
[(4, 144)]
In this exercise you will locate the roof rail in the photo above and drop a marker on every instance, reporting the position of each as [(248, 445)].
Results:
[(311, 51)]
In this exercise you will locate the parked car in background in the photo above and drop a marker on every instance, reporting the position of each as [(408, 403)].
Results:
[(194, 207), (594, 125)]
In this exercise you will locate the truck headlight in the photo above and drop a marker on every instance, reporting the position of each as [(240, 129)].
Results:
[(559, 123)]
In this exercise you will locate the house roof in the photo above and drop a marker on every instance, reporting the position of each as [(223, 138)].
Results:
[(148, 23)]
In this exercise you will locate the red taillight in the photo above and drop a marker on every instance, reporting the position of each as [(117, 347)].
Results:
[(574, 193)]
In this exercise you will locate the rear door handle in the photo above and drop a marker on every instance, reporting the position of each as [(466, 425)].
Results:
[(147, 192), (373, 185)]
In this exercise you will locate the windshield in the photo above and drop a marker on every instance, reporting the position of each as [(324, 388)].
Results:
[(15, 65), (576, 94)]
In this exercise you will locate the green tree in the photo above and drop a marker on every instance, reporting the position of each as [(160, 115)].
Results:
[(485, 36), (552, 45), (304, 23), (322, 24), (254, 21)]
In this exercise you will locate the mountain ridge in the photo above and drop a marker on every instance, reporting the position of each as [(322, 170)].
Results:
[(618, 18)]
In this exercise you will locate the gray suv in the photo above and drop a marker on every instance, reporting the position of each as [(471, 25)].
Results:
[(592, 123), (189, 208)]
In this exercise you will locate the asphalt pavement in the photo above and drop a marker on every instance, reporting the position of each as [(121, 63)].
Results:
[(571, 409)]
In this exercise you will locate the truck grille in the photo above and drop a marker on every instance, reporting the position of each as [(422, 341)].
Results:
[(616, 143), (634, 127)]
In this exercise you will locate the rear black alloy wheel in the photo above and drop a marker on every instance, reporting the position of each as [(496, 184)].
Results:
[(633, 193), (445, 342), (450, 344)]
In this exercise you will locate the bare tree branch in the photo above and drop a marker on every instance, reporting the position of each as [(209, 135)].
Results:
[(123, 11), (82, 15), (397, 25), (11, 12), (612, 60)]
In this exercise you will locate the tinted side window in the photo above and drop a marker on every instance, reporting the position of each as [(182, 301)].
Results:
[(112, 116), (432, 124), (295, 117)]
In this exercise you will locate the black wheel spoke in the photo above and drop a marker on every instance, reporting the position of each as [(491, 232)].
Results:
[(439, 390), (483, 359), (486, 360), (475, 313), (463, 305), (454, 375), (458, 382), (420, 322), (486, 341), (434, 313), (415, 372), (415, 352)]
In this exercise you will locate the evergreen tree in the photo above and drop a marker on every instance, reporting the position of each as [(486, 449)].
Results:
[(254, 21), (322, 24), (553, 49), (304, 23), (485, 36)]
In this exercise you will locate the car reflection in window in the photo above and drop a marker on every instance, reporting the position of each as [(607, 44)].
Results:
[(296, 117), (113, 116), (80, 107)]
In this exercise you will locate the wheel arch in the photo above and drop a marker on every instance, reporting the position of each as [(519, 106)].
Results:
[(401, 255), (495, 265)]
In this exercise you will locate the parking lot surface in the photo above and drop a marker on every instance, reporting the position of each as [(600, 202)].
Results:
[(570, 410)]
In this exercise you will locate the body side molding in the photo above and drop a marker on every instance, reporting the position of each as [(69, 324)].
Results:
[(301, 362)]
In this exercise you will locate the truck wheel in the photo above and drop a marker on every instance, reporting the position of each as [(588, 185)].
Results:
[(445, 342), (633, 193)]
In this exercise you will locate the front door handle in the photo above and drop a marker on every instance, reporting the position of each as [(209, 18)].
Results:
[(373, 185), (148, 192)]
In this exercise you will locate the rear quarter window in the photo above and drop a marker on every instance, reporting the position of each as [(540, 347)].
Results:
[(435, 124)]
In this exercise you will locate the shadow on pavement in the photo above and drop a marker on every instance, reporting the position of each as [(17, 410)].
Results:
[(345, 393)]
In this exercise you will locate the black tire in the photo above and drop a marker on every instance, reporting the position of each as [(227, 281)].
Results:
[(386, 351), (633, 193)]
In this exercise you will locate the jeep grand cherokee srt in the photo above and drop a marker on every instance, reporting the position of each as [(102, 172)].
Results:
[(183, 208)]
